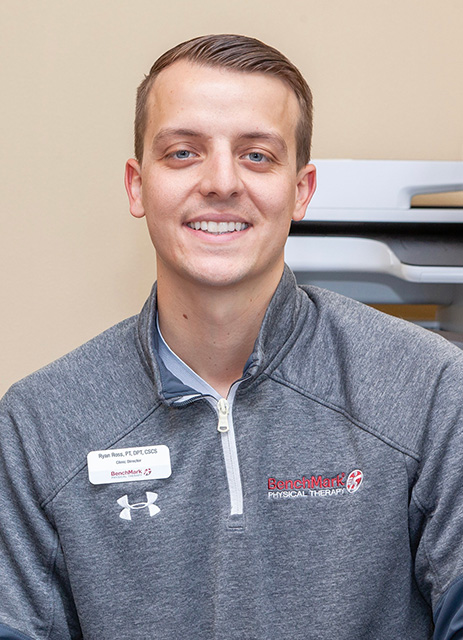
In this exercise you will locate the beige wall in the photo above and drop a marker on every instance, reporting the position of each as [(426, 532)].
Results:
[(387, 79)]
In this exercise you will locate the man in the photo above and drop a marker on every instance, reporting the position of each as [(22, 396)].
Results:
[(246, 459)]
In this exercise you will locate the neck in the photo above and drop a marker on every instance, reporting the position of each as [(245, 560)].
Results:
[(213, 329)]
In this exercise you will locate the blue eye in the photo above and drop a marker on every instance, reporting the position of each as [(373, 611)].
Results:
[(182, 154), (255, 156)]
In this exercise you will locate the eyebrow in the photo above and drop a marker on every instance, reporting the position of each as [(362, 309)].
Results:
[(170, 132), (274, 138)]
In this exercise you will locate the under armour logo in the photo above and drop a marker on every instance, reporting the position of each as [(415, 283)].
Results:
[(127, 507)]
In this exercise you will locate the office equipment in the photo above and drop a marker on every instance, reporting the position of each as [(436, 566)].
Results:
[(362, 237)]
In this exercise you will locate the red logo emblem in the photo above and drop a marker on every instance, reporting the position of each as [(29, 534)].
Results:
[(354, 480), (147, 472)]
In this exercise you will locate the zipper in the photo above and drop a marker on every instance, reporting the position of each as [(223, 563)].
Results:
[(223, 409), (226, 429)]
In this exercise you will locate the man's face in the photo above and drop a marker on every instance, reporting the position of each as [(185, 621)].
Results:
[(218, 183)]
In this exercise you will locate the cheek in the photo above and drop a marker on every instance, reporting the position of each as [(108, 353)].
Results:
[(159, 192), (279, 205), (153, 199), (273, 192)]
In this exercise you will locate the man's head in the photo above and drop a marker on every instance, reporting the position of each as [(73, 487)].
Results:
[(239, 53), (220, 179)]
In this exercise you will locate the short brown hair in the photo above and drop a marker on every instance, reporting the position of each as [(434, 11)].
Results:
[(240, 53)]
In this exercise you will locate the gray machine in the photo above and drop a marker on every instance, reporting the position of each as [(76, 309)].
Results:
[(361, 236)]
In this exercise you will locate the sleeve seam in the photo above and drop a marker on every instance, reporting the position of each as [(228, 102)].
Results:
[(51, 573), (358, 423), (83, 464)]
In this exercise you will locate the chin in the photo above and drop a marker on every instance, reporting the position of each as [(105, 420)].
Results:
[(219, 276)]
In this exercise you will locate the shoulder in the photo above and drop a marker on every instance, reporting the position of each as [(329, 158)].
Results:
[(383, 373), (79, 403), (366, 332), (92, 366)]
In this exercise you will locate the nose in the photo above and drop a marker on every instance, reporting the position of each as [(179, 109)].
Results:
[(221, 176)]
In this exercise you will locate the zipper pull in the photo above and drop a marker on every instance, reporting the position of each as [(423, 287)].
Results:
[(223, 409)]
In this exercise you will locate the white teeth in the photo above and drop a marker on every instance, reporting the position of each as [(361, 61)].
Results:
[(218, 227)]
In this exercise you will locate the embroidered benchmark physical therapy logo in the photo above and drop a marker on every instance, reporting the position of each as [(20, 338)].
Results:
[(315, 486), (354, 480), (151, 498)]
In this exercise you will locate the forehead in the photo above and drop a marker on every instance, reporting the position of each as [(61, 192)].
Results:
[(220, 100)]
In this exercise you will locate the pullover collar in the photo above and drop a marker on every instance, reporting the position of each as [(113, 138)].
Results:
[(280, 327)]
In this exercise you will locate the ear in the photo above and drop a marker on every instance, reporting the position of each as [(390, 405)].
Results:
[(133, 187), (305, 188)]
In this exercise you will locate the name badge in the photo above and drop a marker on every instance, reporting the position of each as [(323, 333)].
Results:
[(129, 465)]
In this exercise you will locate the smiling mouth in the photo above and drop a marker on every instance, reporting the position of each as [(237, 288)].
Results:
[(217, 228)]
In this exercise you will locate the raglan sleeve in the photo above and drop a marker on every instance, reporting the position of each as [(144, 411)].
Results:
[(436, 505), (35, 596)]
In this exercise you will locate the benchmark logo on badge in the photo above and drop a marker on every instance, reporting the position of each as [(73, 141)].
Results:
[(129, 465), (315, 486)]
